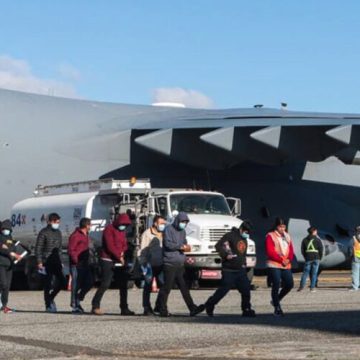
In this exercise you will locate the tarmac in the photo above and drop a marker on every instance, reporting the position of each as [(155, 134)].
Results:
[(320, 325)]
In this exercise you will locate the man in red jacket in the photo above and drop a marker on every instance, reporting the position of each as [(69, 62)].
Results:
[(114, 246), (79, 254)]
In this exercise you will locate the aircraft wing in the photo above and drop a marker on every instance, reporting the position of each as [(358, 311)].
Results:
[(261, 135), (214, 139)]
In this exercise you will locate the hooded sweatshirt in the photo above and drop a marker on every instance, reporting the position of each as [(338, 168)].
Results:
[(234, 244), (174, 239), (7, 240), (114, 242)]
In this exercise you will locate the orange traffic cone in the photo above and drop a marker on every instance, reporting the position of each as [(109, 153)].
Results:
[(154, 287), (69, 283)]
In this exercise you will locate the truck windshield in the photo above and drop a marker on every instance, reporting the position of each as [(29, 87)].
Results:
[(199, 204)]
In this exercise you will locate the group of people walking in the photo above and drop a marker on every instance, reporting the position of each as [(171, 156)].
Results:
[(161, 257)]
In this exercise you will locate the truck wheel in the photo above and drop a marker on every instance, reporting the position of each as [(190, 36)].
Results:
[(34, 280)]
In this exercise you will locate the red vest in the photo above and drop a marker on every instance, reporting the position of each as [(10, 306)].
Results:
[(281, 250)]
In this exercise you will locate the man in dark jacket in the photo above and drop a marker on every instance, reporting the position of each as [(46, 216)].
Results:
[(7, 257), (232, 250), (112, 262), (174, 246), (312, 250), (48, 255), (79, 256)]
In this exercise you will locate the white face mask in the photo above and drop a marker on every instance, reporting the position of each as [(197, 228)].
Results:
[(161, 227), (6, 232), (55, 226)]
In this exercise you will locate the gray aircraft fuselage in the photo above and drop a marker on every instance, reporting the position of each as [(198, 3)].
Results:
[(289, 169)]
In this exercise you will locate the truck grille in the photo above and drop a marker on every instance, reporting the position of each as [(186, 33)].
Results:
[(213, 234)]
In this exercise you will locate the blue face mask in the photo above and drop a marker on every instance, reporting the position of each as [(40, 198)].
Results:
[(245, 235), (6, 232), (161, 227), (182, 226), (122, 227), (55, 226)]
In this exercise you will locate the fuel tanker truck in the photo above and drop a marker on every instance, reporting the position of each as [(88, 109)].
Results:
[(211, 216)]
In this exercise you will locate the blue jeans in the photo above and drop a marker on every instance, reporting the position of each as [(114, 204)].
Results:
[(283, 278), (229, 280), (310, 268), (81, 283), (355, 274)]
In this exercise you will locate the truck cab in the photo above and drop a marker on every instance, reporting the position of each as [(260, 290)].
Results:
[(210, 218)]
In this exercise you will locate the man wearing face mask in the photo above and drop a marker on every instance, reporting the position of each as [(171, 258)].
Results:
[(232, 250), (174, 246), (151, 259), (48, 249), (79, 254), (112, 262), (7, 257)]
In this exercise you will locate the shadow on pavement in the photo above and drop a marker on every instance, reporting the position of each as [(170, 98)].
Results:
[(342, 322)]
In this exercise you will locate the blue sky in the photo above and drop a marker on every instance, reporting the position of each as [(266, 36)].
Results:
[(229, 53)]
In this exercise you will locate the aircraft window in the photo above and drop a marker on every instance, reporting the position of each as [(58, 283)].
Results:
[(199, 204)]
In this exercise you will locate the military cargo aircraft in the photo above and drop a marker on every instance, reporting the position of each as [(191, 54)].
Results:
[(302, 166)]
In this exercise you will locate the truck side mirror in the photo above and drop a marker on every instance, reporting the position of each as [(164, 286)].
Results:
[(235, 205)]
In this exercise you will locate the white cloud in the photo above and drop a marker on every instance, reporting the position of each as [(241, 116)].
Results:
[(16, 74), (69, 72), (190, 98)]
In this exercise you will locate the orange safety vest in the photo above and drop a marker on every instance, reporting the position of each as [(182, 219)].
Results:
[(279, 248), (356, 248)]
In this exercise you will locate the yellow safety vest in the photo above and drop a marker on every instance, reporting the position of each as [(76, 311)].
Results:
[(311, 248), (356, 248)]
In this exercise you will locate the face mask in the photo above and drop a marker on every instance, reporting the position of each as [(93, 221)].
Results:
[(6, 232), (55, 226), (182, 226), (122, 227), (161, 227), (245, 235)]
